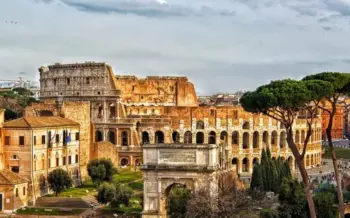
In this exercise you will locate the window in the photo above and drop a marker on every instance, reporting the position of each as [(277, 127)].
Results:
[(16, 192), (77, 136), (24, 191), (69, 159), (64, 160), (7, 140), (76, 158), (21, 140), (57, 161), (34, 139), (57, 138), (68, 81), (43, 139)]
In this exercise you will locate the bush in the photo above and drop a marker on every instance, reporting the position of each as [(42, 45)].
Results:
[(268, 213)]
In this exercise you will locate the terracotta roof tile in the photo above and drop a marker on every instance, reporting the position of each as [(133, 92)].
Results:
[(10, 178), (34, 122)]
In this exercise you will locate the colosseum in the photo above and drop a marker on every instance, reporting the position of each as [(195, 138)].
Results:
[(127, 112)]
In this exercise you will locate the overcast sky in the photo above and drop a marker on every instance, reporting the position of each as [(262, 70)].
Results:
[(221, 45)]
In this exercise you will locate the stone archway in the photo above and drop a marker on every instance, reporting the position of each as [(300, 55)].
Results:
[(164, 166)]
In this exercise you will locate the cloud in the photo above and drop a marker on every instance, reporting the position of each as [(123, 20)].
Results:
[(222, 45)]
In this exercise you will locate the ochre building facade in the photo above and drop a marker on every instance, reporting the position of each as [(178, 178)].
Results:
[(129, 112)]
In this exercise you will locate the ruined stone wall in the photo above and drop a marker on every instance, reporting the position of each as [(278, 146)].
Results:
[(175, 91), (80, 113)]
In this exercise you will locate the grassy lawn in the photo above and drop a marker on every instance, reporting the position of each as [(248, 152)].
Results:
[(340, 152), (41, 211), (78, 192)]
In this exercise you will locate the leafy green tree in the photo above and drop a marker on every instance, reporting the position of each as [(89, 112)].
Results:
[(292, 199), (114, 194), (340, 83), (59, 180), (177, 202), (282, 100), (101, 170)]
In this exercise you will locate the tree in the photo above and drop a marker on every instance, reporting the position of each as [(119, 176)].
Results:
[(101, 170), (282, 100), (113, 194), (339, 82), (59, 180), (292, 199)]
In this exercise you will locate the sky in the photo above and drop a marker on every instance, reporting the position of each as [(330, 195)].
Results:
[(220, 45)]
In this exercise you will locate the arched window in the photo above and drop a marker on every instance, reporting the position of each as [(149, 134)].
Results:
[(200, 138), (274, 138), (176, 137), (223, 137), (245, 140), (111, 137), (235, 138), (145, 138), (245, 165), (246, 125), (98, 135), (188, 137), (200, 125), (112, 111), (256, 139), (212, 138), (125, 140), (283, 139), (266, 139), (159, 139)]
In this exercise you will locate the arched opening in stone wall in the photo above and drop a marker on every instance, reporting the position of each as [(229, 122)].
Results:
[(112, 111), (235, 138), (100, 111), (159, 137), (223, 137), (256, 139), (255, 161), (125, 138), (200, 125), (235, 164), (212, 138), (45, 113), (177, 196), (245, 165), (266, 139), (98, 136), (283, 140), (188, 137), (200, 138), (245, 140), (145, 138), (246, 125), (176, 137), (274, 138), (297, 137), (124, 162), (111, 137)]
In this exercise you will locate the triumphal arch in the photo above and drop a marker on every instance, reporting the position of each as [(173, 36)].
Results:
[(165, 165)]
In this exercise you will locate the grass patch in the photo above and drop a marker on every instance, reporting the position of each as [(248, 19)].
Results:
[(126, 176), (340, 153), (77, 192), (41, 211)]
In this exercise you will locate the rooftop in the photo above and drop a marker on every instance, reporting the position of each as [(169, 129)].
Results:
[(10, 178), (35, 122)]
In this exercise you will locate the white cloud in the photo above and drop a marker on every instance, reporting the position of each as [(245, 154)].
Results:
[(222, 45)]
